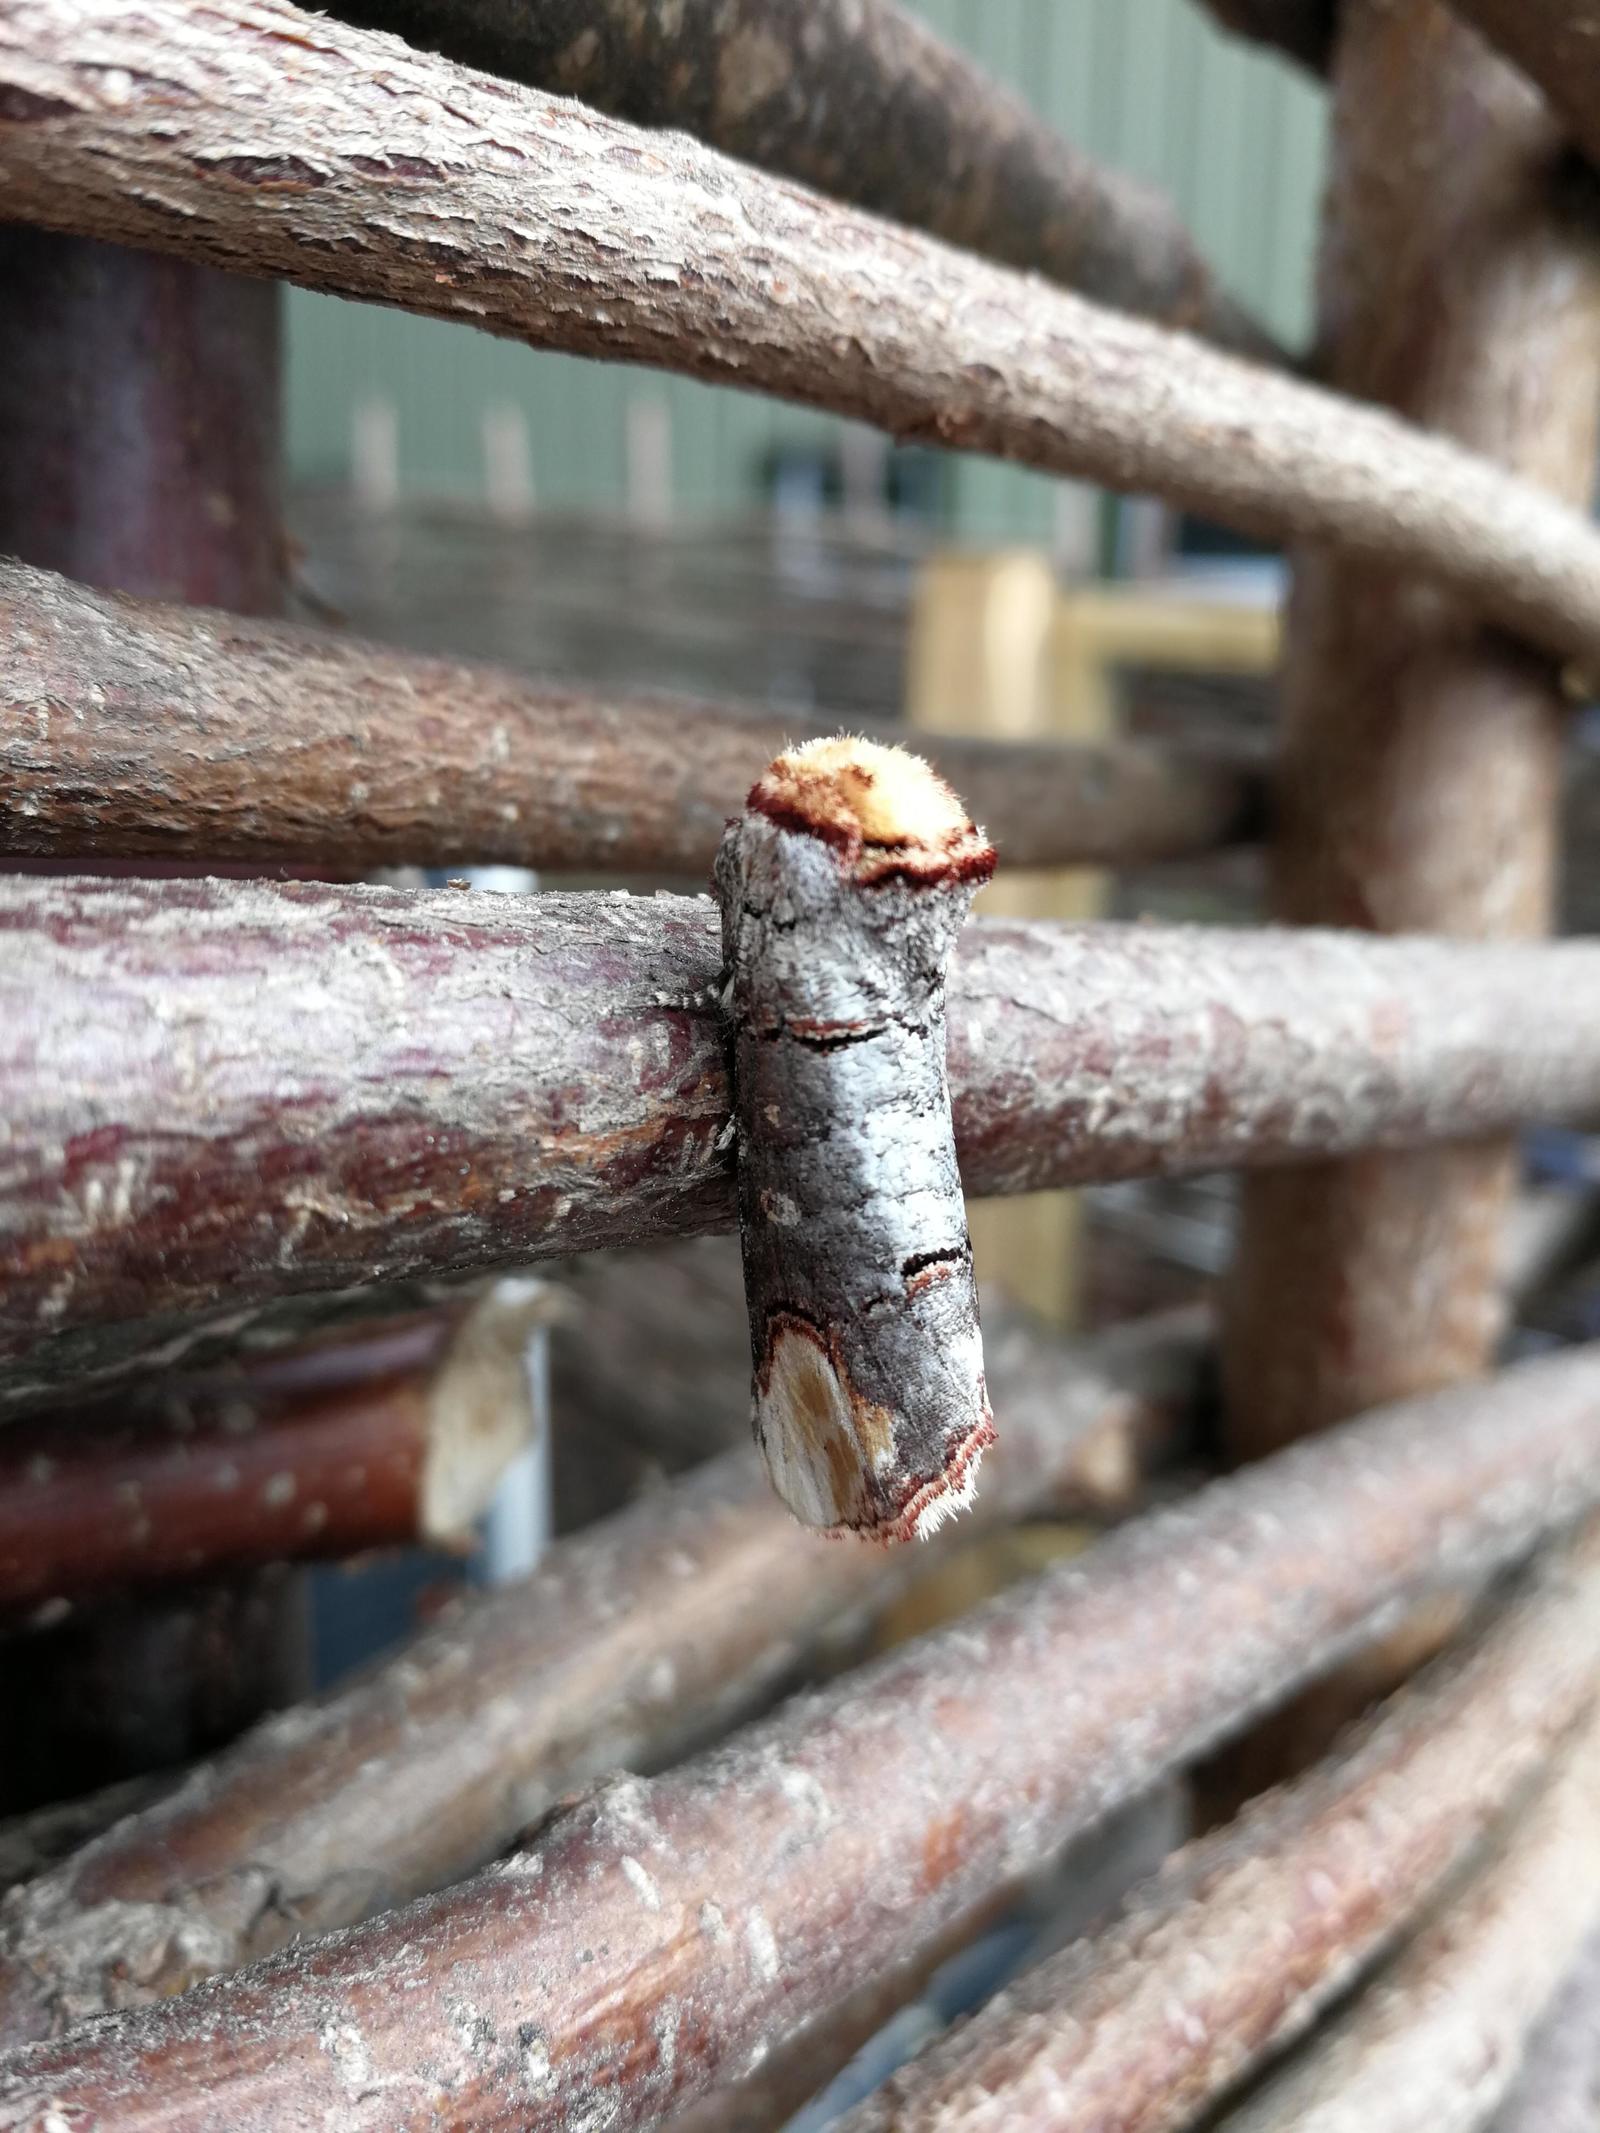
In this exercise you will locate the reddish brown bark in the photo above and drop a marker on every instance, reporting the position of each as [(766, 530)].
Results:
[(864, 102), (1226, 1931), (1556, 43), (139, 404), (220, 1092), (1433, 2044), (663, 1932), (166, 125), (196, 1481), (129, 729), (633, 1640), (1418, 788)]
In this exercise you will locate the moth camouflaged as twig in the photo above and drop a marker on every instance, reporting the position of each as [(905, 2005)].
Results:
[(843, 887)]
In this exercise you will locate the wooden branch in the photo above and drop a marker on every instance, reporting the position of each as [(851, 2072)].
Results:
[(661, 1933), (200, 1483), (635, 1639), (233, 1090), (1419, 786), (866, 103), (1226, 1930), (1432, 2046), (1303, 29), (1558, 2088), (1556, 43), (167, 125), (130, 729), (139, 422), (29, 1843), (844, 885)]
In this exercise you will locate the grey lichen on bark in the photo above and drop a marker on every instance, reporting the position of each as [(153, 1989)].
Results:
[(843, 886)]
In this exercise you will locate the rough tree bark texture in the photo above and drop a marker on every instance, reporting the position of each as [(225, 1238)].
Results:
[(1421, 752), (199, 1481), (632, 1641), (1433, 2044), (1558, 2089), (1304, 29), (843, 885), (1225, 1931), (663, 1933), (129, 729), (243, 133), (1557, 44), (220, 1092), (139, 449), (862, 100), (139, 407)]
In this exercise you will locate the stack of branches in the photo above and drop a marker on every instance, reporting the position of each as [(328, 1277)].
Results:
[(324, 1924)]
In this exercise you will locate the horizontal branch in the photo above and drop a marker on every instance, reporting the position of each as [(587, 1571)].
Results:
[(1433, 2044), (129, 728), (1556, 43), (659, 1934), (862, 100), (635, 1638), (226, 1089), (200, 1480), (244, 133), (1225, 1931)]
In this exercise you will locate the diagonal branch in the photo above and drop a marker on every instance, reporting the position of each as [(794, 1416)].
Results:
[(1433, 2044), (128, 728), (663, 1932), (244, 132), (862, 100), (635, 1638), (1226, 1931)]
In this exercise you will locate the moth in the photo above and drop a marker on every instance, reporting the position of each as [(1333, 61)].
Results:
[(843, 886)]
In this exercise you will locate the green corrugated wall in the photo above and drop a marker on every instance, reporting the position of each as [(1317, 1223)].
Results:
[(1233, 136)]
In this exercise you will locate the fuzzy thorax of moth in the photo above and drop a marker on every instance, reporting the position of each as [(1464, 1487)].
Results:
[(843, 887)]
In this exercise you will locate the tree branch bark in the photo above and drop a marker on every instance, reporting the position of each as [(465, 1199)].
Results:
[(166, 126), (1558, 2088), (1433, 2044), (206, 1481), (1556, 43), (633, 1640), (862, 100), (662, 1932), (235, 1090), (1226, 1931), (1420, 778), (129, 729)]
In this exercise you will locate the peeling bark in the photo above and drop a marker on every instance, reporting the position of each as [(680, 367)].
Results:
[(165, 124), (862, 100), (1254, 1930), (1556, 43), (129, 729), (843, 886), (204, 1481), (662, 1934), (1421, 755), (632, 1641), (215, 1093), (1432, 2046)]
